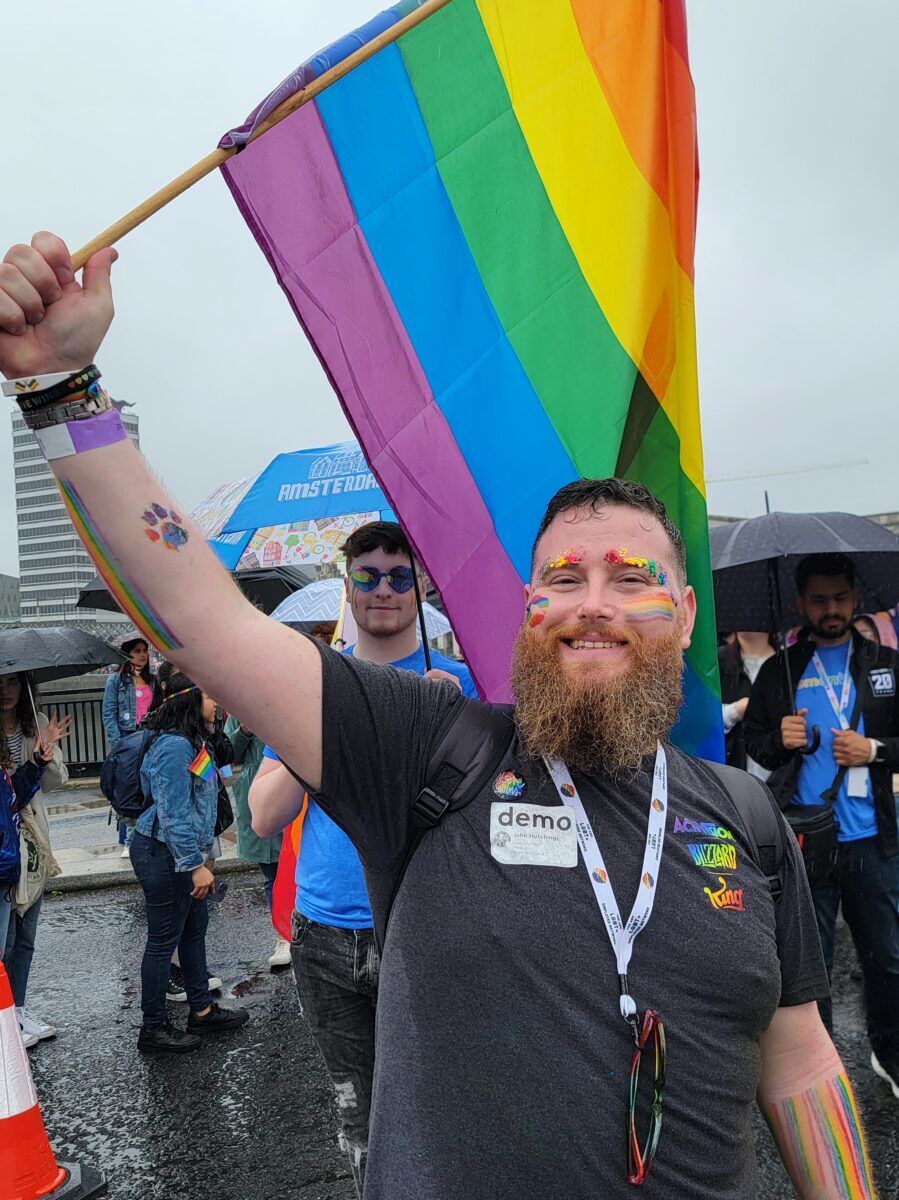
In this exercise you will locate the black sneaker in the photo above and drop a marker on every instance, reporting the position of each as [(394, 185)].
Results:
[(888, 1069), (217, 1020), (175, 989), (168, 1038)]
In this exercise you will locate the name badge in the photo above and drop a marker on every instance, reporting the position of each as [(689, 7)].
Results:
[(857, 782), (532, 835)]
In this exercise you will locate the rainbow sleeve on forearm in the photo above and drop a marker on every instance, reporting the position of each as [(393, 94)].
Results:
[(821, 1141)]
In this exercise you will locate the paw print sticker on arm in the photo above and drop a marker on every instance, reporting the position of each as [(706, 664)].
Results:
[(164, 526)]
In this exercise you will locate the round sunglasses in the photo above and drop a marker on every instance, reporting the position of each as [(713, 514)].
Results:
[(366, 579)]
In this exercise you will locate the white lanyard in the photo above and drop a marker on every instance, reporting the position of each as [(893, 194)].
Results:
[(838, 709), (621, 936)]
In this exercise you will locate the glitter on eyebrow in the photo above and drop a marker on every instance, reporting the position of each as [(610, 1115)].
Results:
[(558, 561), (622, 557)]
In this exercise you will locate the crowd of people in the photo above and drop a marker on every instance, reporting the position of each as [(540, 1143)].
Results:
[(461, 866)]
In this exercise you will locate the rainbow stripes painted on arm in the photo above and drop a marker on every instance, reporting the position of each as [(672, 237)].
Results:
[(821, 1141), (127, 595)]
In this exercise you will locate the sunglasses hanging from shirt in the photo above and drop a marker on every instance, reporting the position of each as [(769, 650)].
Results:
[(648, 1030)]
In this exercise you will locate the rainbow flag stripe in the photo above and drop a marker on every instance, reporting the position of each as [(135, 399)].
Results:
[(129, 598), (202, 766), (486, 232)]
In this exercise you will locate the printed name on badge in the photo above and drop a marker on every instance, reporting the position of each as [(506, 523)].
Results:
[(533, 835)]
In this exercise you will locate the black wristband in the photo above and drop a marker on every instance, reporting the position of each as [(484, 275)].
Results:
[(32, 401)]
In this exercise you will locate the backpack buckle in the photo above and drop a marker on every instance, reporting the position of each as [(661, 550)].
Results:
[(429, 808)]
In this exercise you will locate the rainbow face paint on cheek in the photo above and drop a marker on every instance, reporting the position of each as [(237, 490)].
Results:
[(127, 595), (657, 606), (566, 559), (536, 610)]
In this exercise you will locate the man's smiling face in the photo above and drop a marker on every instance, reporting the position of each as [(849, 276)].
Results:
[(602, 581)]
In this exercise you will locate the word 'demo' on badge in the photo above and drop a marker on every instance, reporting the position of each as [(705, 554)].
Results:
[(532, 834)]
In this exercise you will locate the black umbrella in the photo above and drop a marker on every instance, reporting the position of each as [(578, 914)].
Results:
[(265, 587), (754, 569), (754, 564), (53, 651)]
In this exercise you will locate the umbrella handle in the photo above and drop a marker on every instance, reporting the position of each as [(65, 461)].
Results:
[(815, 742)]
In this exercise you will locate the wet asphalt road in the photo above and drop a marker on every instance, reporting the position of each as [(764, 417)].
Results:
[(249, 1116)]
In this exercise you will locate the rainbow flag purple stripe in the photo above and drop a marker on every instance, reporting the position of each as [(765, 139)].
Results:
[(486, 232)]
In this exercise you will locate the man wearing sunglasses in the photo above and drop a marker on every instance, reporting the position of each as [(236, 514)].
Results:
[(333, 951), (516, 1002)]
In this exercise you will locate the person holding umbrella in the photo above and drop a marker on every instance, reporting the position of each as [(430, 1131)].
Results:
[(835, 741), (127, 698), (28, 736)]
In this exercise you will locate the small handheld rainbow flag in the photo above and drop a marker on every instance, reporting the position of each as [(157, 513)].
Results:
[(202, 766)]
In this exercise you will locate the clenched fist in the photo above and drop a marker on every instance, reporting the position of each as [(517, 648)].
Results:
[(793, 731), (49, 321), (850, 749)]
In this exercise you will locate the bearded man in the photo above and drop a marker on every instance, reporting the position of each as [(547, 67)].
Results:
[(513, 987)]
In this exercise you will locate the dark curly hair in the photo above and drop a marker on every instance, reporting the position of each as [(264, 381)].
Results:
[(594, 494), (174, 713)]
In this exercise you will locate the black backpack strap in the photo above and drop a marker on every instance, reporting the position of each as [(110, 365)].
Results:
[(469, 747), (761, 818)]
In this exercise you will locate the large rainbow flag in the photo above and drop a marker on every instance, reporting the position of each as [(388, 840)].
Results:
[(486, 231)]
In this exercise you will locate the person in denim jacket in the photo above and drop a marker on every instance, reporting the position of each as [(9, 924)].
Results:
[(170, 852), (127, 698)]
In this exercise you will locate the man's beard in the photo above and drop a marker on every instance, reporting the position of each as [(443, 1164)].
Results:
[(830, 635), (596, 720)]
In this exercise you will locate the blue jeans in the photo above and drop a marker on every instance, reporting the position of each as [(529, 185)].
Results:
[(336, 972), (6, 896), (19, 949), (174, 921), (867, 884)]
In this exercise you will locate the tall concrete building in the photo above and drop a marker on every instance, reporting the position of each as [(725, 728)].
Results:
[(53, 564), (9, 600)]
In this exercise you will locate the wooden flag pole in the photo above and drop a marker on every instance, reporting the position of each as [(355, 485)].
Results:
[(202, 168)]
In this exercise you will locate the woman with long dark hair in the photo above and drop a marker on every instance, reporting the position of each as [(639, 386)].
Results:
[(127, 699), (28, 740), (170, 848)]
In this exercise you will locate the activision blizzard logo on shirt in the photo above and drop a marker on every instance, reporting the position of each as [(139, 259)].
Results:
[(531, 834)]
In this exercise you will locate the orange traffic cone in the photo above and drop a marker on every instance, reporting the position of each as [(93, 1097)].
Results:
[(28, 1170)]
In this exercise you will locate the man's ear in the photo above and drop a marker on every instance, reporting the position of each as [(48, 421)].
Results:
[(527, 594), (688, 608)]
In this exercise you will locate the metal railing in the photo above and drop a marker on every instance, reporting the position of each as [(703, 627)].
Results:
[(85, 747)]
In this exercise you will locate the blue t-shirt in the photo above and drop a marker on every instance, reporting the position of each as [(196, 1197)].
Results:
[(855, 815), (330, 884)]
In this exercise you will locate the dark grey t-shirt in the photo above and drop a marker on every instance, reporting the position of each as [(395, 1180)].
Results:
[(502, 1061)]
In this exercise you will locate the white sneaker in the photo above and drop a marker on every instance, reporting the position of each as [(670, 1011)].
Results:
[(281, 955), (880, 1070), (126, 852), (29, 1039), (34, 1026)]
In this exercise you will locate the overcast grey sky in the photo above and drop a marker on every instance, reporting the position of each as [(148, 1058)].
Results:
[(797, 261)]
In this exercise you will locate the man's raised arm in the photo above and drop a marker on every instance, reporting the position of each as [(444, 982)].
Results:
[(154, 561)]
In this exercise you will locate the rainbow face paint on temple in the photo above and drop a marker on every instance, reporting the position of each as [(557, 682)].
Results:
[(622, 557), (128, 597), (657, 606), (566, 559), (536, 610)]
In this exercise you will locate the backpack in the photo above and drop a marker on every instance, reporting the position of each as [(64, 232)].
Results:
[(120, 774), (474, 741), (9, 833)]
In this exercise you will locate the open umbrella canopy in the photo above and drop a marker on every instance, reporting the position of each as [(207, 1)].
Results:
[(754, 565), (320, 601), (265, 587), (53, 651)]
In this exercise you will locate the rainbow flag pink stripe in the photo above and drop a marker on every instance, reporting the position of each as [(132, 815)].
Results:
[(486, 232)]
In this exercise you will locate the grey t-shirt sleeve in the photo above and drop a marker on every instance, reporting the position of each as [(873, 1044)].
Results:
[(802, 971), (378, 727)]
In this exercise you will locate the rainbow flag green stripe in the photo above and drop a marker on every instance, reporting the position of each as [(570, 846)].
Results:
[(496, 272), (128, 597)]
